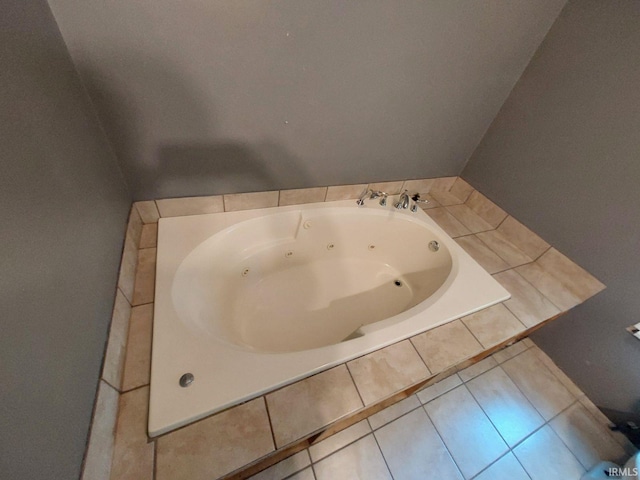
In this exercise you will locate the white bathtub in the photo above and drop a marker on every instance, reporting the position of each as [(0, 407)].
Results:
[(249, 301)]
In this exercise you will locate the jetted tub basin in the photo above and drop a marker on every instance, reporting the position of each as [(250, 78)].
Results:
[(249, 301)]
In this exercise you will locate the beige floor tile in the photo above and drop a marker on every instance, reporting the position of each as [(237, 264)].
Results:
[(387, 371), (302, 195), (306, 474), (149, 236), (344, 192), (413, 449), (116, 346), (127, 274), (506, 250), (578, 280), (461, 189), (448, 222), (443, 184), (482, 254), (216, 445), (559, 374), (539, 385), (493, 325), (601, 418), (341, 439), (445, 198), (526, 303), (361, 460), (134, 225), (132, 451), (509, 352), (97, 464), (144, 289), (469, 218), (392, 188), (552, 288), (523, 238), (528, 342), (305, 406), (509, 410), (507, 468), (589, 441), (137, 366), (148, 211), (178, 207), (476, 369), (394, 411), (247, 201), (466, 431), (440, 388), (285, 468), (446, 345), (545, 457), (486, 209)]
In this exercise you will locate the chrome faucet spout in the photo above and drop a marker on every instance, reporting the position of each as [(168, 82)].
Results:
[(403, 201), (364, 196)]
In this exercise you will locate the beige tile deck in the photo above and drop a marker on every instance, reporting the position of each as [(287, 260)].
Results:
[(100, 448), (461, 423), (413, 449), (302, 195), (216, 445), (345, 192), (246, 201), (137, 366), (117, 344), (132, 452), (149, 236), (506, 250), (523, 238), (392, 188), (332, 391), (148, 211), (461, 189), (482, 254), (549, 286), (493, 325), (445, 346), (469, 218), (446, 198), (387, 371), (127, 274), (134, 225), (443, 184), (448, 222), (486, 209), (144, 289), (526, 303), (176, 207), (476, 369), (577, 279)]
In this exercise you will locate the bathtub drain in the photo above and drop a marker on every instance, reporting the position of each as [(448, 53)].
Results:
[(397, 283)]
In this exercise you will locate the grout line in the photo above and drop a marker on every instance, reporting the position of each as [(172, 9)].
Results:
[(420, 357), (424, 407), (375, 439), (134, 388), (504, 219), (105, 381), (154, 471), (346, 364), (546, 250), (273, 435)]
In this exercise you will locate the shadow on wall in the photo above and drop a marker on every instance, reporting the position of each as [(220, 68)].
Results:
[(177, 136)]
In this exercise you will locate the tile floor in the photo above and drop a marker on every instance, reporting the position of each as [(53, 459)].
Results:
[(512, 416)]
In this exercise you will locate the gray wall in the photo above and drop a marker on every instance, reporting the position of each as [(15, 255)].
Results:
[(563, 155), (63, 207), (217, 97)]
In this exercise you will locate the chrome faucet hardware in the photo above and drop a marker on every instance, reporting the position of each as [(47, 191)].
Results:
[(373, 194), (403, 201)]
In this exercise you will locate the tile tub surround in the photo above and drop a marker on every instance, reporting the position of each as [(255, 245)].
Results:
[(387, 377)]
